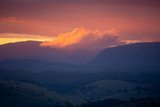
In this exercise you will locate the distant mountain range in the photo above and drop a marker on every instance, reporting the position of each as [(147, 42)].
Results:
[(29, 55)]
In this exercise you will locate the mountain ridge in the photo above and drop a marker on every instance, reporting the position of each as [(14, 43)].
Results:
[(132, 55), (33, 50)]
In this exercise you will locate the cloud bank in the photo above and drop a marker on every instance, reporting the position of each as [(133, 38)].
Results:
[(85, 39)]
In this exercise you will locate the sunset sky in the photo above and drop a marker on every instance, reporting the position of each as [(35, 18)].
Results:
[(80, 24)]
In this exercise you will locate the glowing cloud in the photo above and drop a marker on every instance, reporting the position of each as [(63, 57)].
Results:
[(85, 39), (81, 38)]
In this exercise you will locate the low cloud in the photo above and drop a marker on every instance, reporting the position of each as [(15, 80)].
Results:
[(85, 39)]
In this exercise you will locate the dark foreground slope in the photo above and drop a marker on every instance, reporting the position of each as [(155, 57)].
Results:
[(144, 102), (21, 94)]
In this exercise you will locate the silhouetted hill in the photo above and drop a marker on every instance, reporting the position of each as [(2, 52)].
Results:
[(134, 56), (32, 50)]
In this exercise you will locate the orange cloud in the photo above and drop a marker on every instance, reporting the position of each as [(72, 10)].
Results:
[(81, 38), (85, 39)]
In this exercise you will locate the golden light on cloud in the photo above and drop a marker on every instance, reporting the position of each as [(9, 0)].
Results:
[(11, 38), (78, 36), (87, 39)]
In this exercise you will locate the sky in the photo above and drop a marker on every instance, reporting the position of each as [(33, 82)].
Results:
[(80, 24)]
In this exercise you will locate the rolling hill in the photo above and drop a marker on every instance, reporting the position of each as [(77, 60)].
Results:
[(117, 89), (18, 94)]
